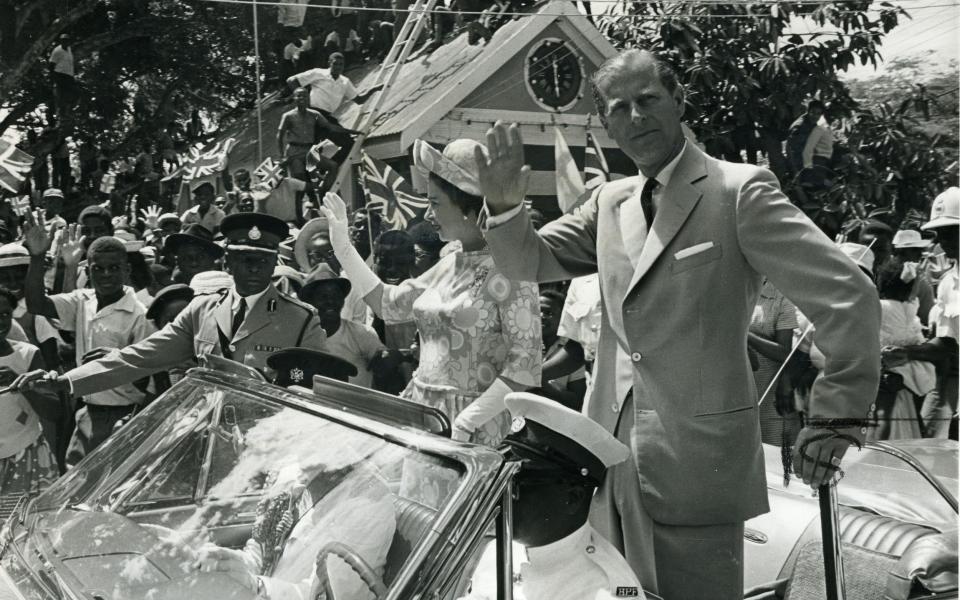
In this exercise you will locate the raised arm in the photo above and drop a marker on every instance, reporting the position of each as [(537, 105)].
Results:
[(562, 249), (37, 241)]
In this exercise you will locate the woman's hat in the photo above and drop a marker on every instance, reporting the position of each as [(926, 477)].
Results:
[(14, 255), (861, 255), (457, 164)]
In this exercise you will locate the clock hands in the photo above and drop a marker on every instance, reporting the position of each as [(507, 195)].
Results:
[(556, 79)]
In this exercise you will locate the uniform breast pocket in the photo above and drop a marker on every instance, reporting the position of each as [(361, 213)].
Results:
[(695, 256), (203, 345)]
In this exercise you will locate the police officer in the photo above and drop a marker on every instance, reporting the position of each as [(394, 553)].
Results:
[(246, 322), (565, 458), (297, 366)]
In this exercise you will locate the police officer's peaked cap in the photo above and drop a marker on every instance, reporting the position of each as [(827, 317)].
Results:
[(297, 366), (253, 231), (546, 431)]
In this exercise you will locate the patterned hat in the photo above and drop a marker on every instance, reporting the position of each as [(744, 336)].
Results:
[(456, 165)]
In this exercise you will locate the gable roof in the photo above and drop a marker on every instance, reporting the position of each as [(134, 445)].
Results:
[(428, 87)]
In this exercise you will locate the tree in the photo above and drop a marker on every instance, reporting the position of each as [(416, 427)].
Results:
[(747, 80), (141, 65)]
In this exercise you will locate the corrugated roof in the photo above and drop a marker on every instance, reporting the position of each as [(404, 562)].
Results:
[(424, 80)]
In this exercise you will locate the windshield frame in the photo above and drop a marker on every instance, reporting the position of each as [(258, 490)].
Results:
[(480, 465)]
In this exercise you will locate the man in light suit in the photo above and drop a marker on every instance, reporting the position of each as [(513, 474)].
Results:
[(246, 323), (673, 380)]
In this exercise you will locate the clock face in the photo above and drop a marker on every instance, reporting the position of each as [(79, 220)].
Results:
[(554, 74)]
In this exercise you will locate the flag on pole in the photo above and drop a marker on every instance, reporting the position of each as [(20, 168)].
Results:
[(595, 169), (390, 194), (203, 164), (569, 183), (270, 173), (15, 164), (21, 205)]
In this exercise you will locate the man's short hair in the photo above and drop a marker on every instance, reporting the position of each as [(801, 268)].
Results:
[(335, 55), (106, 245), (95, 211), (664, 70)]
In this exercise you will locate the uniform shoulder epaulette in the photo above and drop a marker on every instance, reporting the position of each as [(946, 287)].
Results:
[(296, 301)]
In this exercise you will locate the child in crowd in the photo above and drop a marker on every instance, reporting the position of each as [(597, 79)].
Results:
[(901, 386), (27, 465)]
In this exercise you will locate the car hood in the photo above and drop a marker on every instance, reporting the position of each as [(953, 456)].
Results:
[(108, 556)]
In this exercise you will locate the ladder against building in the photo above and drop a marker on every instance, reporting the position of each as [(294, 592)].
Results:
[(402, 47)]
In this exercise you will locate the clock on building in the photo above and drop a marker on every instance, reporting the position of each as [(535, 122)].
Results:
[(553, 73)]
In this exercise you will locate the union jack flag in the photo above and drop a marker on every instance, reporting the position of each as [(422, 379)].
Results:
[(269, 173), (205, 163), (595, 169), (14, 165), (21, 205), (390, 194)]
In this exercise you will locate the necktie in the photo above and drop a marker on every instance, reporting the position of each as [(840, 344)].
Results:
[(646, 201), (238, 318)]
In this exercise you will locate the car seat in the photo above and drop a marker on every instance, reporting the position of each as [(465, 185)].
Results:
[(413, 521)]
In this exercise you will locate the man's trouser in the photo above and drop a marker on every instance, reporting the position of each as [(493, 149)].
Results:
[(94, 425), (340, 138), (675, 562), (940, 405)]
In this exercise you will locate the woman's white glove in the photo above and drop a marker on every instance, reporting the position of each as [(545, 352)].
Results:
[(487, 405), (354, 267)]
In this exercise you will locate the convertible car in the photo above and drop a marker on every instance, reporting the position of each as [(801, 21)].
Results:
[(343, 493)]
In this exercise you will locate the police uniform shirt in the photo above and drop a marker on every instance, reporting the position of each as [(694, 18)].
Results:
[(581, 566)]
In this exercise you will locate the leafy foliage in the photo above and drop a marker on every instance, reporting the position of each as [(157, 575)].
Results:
[(140, 65), (748, 77)]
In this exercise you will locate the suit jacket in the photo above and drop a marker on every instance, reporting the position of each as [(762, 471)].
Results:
[(276, 321), (685, 310)]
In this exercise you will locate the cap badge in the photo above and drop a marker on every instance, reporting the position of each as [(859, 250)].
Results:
[(254, 233), (517, 424), (296, 375)]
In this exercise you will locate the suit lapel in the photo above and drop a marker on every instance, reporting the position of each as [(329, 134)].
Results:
[(678, 201), (259, 316)]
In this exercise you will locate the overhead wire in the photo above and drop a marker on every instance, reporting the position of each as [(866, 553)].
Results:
[(561, 14)]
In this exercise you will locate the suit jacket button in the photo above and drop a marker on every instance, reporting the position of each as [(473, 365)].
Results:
[(636, 356), (233, 348), (615, 407), (591, 549)]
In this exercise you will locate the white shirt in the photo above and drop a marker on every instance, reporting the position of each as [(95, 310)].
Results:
[(115, 326), (252, 300), (211, 220), (945, 314), (358, 344), (819, 143), (326, 93), (62, 59), (581, 566), (582, 310)]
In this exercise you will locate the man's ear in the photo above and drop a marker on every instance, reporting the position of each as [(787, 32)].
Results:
[(680, 97)]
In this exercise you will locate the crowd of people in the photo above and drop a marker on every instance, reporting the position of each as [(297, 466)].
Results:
[(690, 311)]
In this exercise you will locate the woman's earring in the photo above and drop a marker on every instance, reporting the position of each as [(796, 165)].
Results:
[(465, 217)]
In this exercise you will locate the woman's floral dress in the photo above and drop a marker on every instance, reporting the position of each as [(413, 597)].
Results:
[(475, 325)]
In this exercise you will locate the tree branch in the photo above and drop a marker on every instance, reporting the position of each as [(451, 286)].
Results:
[(14, 79)]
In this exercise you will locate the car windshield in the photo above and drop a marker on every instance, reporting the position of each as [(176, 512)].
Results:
[(883, 483), (210, 470)]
